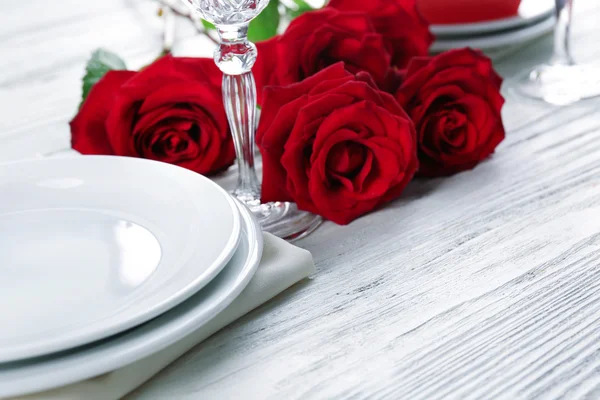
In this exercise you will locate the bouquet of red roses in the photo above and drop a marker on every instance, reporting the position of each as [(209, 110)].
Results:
[(351, 109)]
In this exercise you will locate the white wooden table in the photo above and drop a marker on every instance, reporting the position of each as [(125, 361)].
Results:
[(482, 285)]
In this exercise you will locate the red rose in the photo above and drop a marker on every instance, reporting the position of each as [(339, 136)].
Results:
[(317, 39), (171, 111), (454, 101), (405, 31), (335, 144)]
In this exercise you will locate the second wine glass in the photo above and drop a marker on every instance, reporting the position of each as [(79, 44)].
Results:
[(235, 56), (561, 81)]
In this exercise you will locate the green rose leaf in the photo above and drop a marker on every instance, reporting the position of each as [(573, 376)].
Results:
[(265, 25), (101, 62), (207, 25)]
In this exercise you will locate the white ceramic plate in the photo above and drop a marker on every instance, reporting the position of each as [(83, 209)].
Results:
[(92, 246), (92, 360), (530, 12), (494, 41)]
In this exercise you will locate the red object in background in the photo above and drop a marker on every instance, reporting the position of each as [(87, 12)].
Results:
[(442, 12)]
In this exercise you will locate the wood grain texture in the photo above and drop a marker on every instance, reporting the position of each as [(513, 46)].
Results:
[(483, 285)]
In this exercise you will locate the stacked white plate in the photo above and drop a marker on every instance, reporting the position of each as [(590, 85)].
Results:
[(535, 18), (107, 260)]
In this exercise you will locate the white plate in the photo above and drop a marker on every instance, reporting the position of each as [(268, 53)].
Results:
[(92, 246), (493, 41), (92, 360), (530, 12)]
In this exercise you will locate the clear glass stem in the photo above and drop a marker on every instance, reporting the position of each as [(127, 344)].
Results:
[(239, 97), (235, 57), (562, 33)]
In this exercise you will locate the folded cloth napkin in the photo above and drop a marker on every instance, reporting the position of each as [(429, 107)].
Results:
[(467, 11), (281, 266)]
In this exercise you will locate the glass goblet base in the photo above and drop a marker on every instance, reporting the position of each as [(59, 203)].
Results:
[(285, 220), (560, 84), (281, 218)]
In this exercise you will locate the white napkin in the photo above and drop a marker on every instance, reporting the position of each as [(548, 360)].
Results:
[(281, 266)]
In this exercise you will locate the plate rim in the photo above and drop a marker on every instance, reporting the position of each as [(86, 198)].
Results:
[(137, 343), (501, 39), (85, 336)]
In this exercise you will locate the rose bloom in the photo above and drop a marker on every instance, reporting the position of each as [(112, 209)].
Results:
[(170, 111), (404, 30), (335, 144), (317, 39), (454, 101)]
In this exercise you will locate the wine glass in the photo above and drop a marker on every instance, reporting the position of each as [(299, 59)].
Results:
[(235, 56), (561, 81)]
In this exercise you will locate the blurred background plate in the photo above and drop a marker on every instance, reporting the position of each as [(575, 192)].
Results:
[(499, 40)]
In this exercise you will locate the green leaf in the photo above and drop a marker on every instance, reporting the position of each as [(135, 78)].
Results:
[(265, 25), (301, 7), (101, 62), (207, 25)]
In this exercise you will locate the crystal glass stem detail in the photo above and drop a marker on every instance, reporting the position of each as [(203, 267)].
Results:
[(562, 33), (235, 57)]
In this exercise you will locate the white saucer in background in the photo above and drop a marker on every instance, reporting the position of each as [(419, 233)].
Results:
[(494, 41)]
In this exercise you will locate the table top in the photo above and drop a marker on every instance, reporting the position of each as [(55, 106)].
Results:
[(481, 285)]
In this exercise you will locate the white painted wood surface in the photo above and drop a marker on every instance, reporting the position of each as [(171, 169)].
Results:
[(482, 285)]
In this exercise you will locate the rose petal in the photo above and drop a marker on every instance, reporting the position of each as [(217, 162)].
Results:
[(88, 128)]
